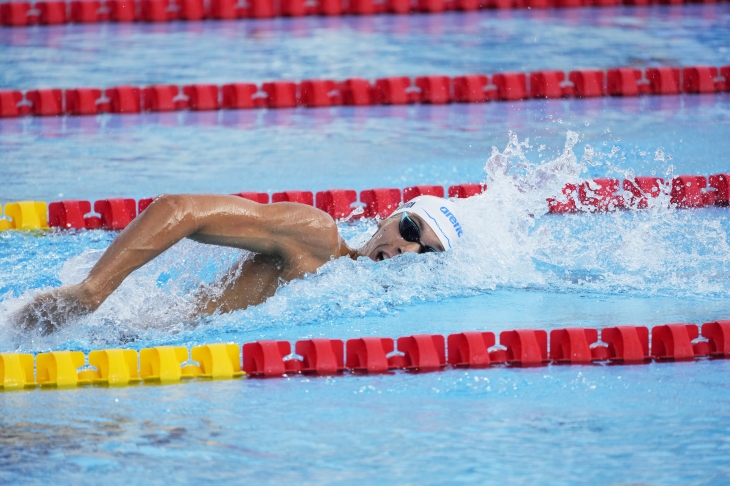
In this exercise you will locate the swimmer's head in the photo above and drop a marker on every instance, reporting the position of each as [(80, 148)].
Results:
[(423, 224)]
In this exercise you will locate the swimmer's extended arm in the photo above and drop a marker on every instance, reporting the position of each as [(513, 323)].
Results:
[(288, 231), (300, 235)]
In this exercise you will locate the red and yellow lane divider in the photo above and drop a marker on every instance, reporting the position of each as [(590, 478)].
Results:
[(395, 90), (320, 356)]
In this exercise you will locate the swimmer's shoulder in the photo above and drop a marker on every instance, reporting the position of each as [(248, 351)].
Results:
[(316, 231)]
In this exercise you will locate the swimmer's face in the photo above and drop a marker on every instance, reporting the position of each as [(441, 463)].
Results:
[(387, 242)]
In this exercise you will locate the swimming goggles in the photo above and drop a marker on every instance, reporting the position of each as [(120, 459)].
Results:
[(410, 232)]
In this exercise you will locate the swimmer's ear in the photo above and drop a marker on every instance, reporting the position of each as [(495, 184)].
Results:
[(382, 222)]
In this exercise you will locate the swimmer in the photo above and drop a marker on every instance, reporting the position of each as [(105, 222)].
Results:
[(289, 240)]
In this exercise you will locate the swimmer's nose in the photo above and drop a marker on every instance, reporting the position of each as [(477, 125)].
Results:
[(409, 248)]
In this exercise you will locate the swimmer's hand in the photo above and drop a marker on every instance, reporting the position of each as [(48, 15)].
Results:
[(51, 310)]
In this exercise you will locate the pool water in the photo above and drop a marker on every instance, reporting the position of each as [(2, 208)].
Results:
[(453, 44), (517, 267)]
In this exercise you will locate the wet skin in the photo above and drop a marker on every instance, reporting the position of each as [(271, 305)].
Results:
[(289, 240)]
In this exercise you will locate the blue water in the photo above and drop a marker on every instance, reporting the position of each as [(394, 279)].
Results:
[(452, 44), (316, 149), (517, 266)]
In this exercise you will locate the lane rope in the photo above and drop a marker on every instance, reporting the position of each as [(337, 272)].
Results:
[(326, 357), (396, 90)]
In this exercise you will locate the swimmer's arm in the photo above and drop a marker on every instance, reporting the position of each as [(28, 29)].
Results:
[(288, 231)]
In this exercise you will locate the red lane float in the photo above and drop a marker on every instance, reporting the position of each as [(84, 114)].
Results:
[(46, 102), (87, 12), (699, 79), (369, 354), (9, 103), (191, 10), (463, 191), (124, 99), (471, 88), (600, 194), (588, 83), (510, 86), (265, 358), (641, 188), (625, 82), (82, 101), (51, 13), (280, 94), (336, 202), (572, 345), (422, 352), (663, 80), (143, 204), (423, 190), (318, 93), (434, 90), (238, 96), (392, 91), (547, 84), (356, 92), (202, 97), (627, 344), (159, 98), (380, 203), (569, 206), (718, 336), (470, 349), (321, 356), (15, 14), (116, 213), (525, 347), (720, 183), (301, 197), (673, 341), (72, 215), (686, 191), (223, 9)]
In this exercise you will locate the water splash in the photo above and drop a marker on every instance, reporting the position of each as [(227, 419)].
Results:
[(510, 242)]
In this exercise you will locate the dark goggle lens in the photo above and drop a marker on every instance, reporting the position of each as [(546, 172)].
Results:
[(409, 229), (410, 232)]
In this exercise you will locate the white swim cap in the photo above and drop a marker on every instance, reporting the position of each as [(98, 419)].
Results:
[(439, 214)]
